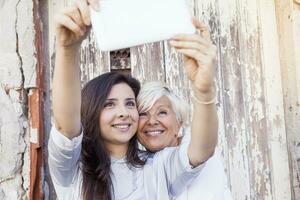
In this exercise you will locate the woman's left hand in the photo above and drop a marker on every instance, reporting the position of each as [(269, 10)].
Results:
[(199, 56)]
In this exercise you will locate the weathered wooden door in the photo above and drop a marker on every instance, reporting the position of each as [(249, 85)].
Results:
[(254, 130), (257, 76)]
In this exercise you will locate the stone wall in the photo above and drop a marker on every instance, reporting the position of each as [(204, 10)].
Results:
[(17, 77)]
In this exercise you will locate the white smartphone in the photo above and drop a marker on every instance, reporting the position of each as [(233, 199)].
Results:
[(126, 23)]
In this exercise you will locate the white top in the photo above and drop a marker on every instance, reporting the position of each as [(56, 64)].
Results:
[(210, 184), (164, 175)]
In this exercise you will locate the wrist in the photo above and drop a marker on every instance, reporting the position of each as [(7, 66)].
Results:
[(68, 50), (206, 97)]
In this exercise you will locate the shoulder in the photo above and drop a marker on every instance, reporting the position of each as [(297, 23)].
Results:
[(212, 179)]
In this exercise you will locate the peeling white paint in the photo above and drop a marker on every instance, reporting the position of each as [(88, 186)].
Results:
[(17, 68)]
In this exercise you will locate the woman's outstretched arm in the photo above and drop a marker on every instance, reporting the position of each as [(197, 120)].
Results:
[(72, 25), (199, 56)]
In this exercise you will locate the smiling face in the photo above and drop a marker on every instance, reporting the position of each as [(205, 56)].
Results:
[(158, 127), (119, 117)]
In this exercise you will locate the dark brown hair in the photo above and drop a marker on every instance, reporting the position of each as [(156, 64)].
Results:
[(95, 160)]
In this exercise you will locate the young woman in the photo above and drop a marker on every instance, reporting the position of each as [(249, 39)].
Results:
[(163, 123), (92, 146)]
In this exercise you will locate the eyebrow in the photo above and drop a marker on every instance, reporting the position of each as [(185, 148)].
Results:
[(115, 99), (164, 106)]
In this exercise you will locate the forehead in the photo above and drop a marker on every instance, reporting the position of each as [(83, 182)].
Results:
[(121, 90), (162, 102)]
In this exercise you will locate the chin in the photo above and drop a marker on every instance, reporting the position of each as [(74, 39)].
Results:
[(125, 138), (154, 148)]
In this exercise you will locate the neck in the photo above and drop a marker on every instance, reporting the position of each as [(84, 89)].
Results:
[(175, 142), (117, 151)]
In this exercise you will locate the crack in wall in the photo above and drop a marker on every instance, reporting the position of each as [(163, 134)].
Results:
[(23, 191), (7, 179), (17, 46), (23, 100)]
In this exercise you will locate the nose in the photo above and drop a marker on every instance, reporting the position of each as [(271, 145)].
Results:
[(123, 112), (152, 120)]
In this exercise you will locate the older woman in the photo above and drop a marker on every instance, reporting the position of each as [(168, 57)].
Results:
[(163, 123), (163, 118)]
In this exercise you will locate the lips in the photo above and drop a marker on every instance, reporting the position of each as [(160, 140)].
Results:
[(154, 132)]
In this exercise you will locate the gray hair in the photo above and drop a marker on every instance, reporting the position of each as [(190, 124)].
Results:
[(152, 91)]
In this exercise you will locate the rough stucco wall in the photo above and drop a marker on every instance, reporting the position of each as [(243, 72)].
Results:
[(17, 76)]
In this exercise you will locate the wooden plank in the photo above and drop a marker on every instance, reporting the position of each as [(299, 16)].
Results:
[(281, 187), (289, 60), (207, 11), (147, 62), (254, 100), (230, 77), (296, 151), (175, 76), (93, 61)]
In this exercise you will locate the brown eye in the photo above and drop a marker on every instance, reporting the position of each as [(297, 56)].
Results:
[(142, 114), (130, 103), (108, 104), (161, 113)]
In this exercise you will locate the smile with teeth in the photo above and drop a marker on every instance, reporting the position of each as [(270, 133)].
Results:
[(122, 126), (154, 133)]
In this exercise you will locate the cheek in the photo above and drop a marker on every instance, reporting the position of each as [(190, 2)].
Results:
[(171, 125), (135, 115), (105, 118), (141, 124), (135, 119)]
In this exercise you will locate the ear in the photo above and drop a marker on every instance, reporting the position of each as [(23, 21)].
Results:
[(179, 134)]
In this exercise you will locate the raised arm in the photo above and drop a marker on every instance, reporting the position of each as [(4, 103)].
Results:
[(199, 55), (72, 25)]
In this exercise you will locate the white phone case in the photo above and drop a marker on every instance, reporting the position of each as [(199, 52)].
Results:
[(127, 23)]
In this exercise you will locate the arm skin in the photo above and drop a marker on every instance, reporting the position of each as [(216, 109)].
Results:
[(199, 55), (72, 26)]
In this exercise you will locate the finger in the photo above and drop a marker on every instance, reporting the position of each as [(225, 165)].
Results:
[(200, 57), (199, 25), (191, 71), (94, 4), (189, 45), (67, 22), (204, 29), (74, 14), (85, 12), (192, 38), (206, 34)]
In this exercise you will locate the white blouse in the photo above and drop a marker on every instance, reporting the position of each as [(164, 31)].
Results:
[(211, 183), (163, 177)]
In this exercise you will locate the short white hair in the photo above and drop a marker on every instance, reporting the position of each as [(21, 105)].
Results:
[(152, 91)]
